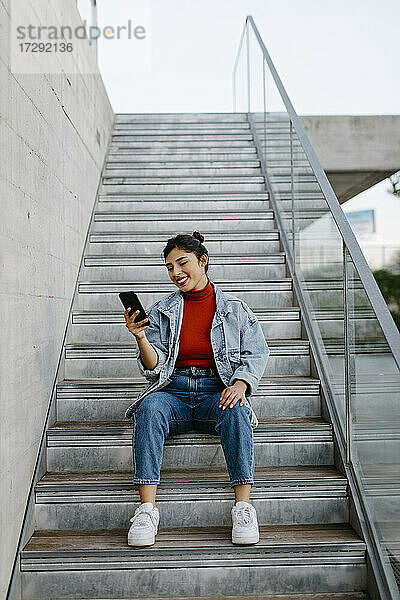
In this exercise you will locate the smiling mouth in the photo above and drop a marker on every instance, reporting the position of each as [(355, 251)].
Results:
[(183, 281)]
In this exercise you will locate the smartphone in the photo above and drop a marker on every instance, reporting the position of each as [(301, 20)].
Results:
[(131, 299)]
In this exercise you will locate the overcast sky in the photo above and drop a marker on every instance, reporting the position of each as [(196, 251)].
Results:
[(333, 56)]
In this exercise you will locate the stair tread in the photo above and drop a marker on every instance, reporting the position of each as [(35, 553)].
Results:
[(217, 281), (278, 380), (112, 344), (259, 311), (196, 539), (247, 233), (193, 476), (231, 163), (332, 596), (263, 423), (149, 258), (179, 214), (202, 196)]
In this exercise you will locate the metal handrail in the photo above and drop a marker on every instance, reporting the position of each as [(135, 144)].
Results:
[(372, 290)]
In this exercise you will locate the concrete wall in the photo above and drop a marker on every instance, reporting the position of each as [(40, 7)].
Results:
[(54, 130), (356, 151)]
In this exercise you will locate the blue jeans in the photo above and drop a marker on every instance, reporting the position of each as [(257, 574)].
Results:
[(191, 401)]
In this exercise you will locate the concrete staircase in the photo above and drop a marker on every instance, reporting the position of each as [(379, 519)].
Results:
[(164, 174)]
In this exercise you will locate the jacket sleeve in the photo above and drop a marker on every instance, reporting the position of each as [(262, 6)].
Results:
[(153, 336), (254, 352)]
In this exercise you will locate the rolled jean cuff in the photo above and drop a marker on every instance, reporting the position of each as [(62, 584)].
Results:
[(145, 481), (241, 482)]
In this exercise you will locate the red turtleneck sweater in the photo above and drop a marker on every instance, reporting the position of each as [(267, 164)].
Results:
[(198, 313)]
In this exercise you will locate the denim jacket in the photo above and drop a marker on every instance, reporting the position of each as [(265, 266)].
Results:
[(238, 343)]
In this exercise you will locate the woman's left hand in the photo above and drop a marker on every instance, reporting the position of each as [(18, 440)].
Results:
[(232, 394)]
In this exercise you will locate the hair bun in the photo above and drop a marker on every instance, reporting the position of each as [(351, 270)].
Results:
[(198, 236)]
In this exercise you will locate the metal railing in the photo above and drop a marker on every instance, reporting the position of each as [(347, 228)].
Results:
[(355, 342)]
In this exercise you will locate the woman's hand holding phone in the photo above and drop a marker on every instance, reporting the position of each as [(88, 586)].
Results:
[(136, 328)]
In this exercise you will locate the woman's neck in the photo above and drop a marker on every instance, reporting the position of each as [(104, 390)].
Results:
[(200, 294)]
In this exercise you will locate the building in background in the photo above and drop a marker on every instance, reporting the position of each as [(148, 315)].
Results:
[(374, 216)]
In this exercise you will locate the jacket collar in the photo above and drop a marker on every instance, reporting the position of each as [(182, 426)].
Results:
[(171, 303)]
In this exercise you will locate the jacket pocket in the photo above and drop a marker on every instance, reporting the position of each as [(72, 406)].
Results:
[(234, 355)]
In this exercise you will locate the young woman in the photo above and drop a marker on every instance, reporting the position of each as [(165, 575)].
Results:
[(204, 353)]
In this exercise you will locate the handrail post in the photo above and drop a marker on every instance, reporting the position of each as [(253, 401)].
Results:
[(264, 145), (234, 90), (248, 67), (346, 328), (292, 198)]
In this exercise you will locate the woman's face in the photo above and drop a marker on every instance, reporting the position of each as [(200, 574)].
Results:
[(186, 268)]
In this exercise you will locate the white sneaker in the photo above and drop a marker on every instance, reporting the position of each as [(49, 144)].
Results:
[(144, 525), (245, 526)]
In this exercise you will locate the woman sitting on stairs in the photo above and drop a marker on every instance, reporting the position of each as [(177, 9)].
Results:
[(204, 353)]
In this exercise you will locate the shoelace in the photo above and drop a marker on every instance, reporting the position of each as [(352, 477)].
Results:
[(243, 515), (141, 517)]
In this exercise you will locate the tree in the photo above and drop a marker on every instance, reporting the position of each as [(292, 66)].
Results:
[(389, 284), (395, 181)]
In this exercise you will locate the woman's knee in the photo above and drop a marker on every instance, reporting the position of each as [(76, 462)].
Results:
[(236, 414)]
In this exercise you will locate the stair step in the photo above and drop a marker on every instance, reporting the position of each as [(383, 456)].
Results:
[(95, 295), (194, 143), (278, 137), (108, 399), (190, 179), (97, 326), (187, 560), (118, 359), (169, 153), (137, 267), (162, 129), (248, 184), (331, 596), (107, 500), (280, 175), (244, 242), (268, 428), (88, 287), (275, 480), (228, 183), (186, 162), (171, 222), (199, 197), (168, 215), (182, 136), (211, 127), (107, 445), (174, 172), (186, 117), (277, 386), (178, 202), (193, 543), (129, 203), (291, 313), (129, 349)]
